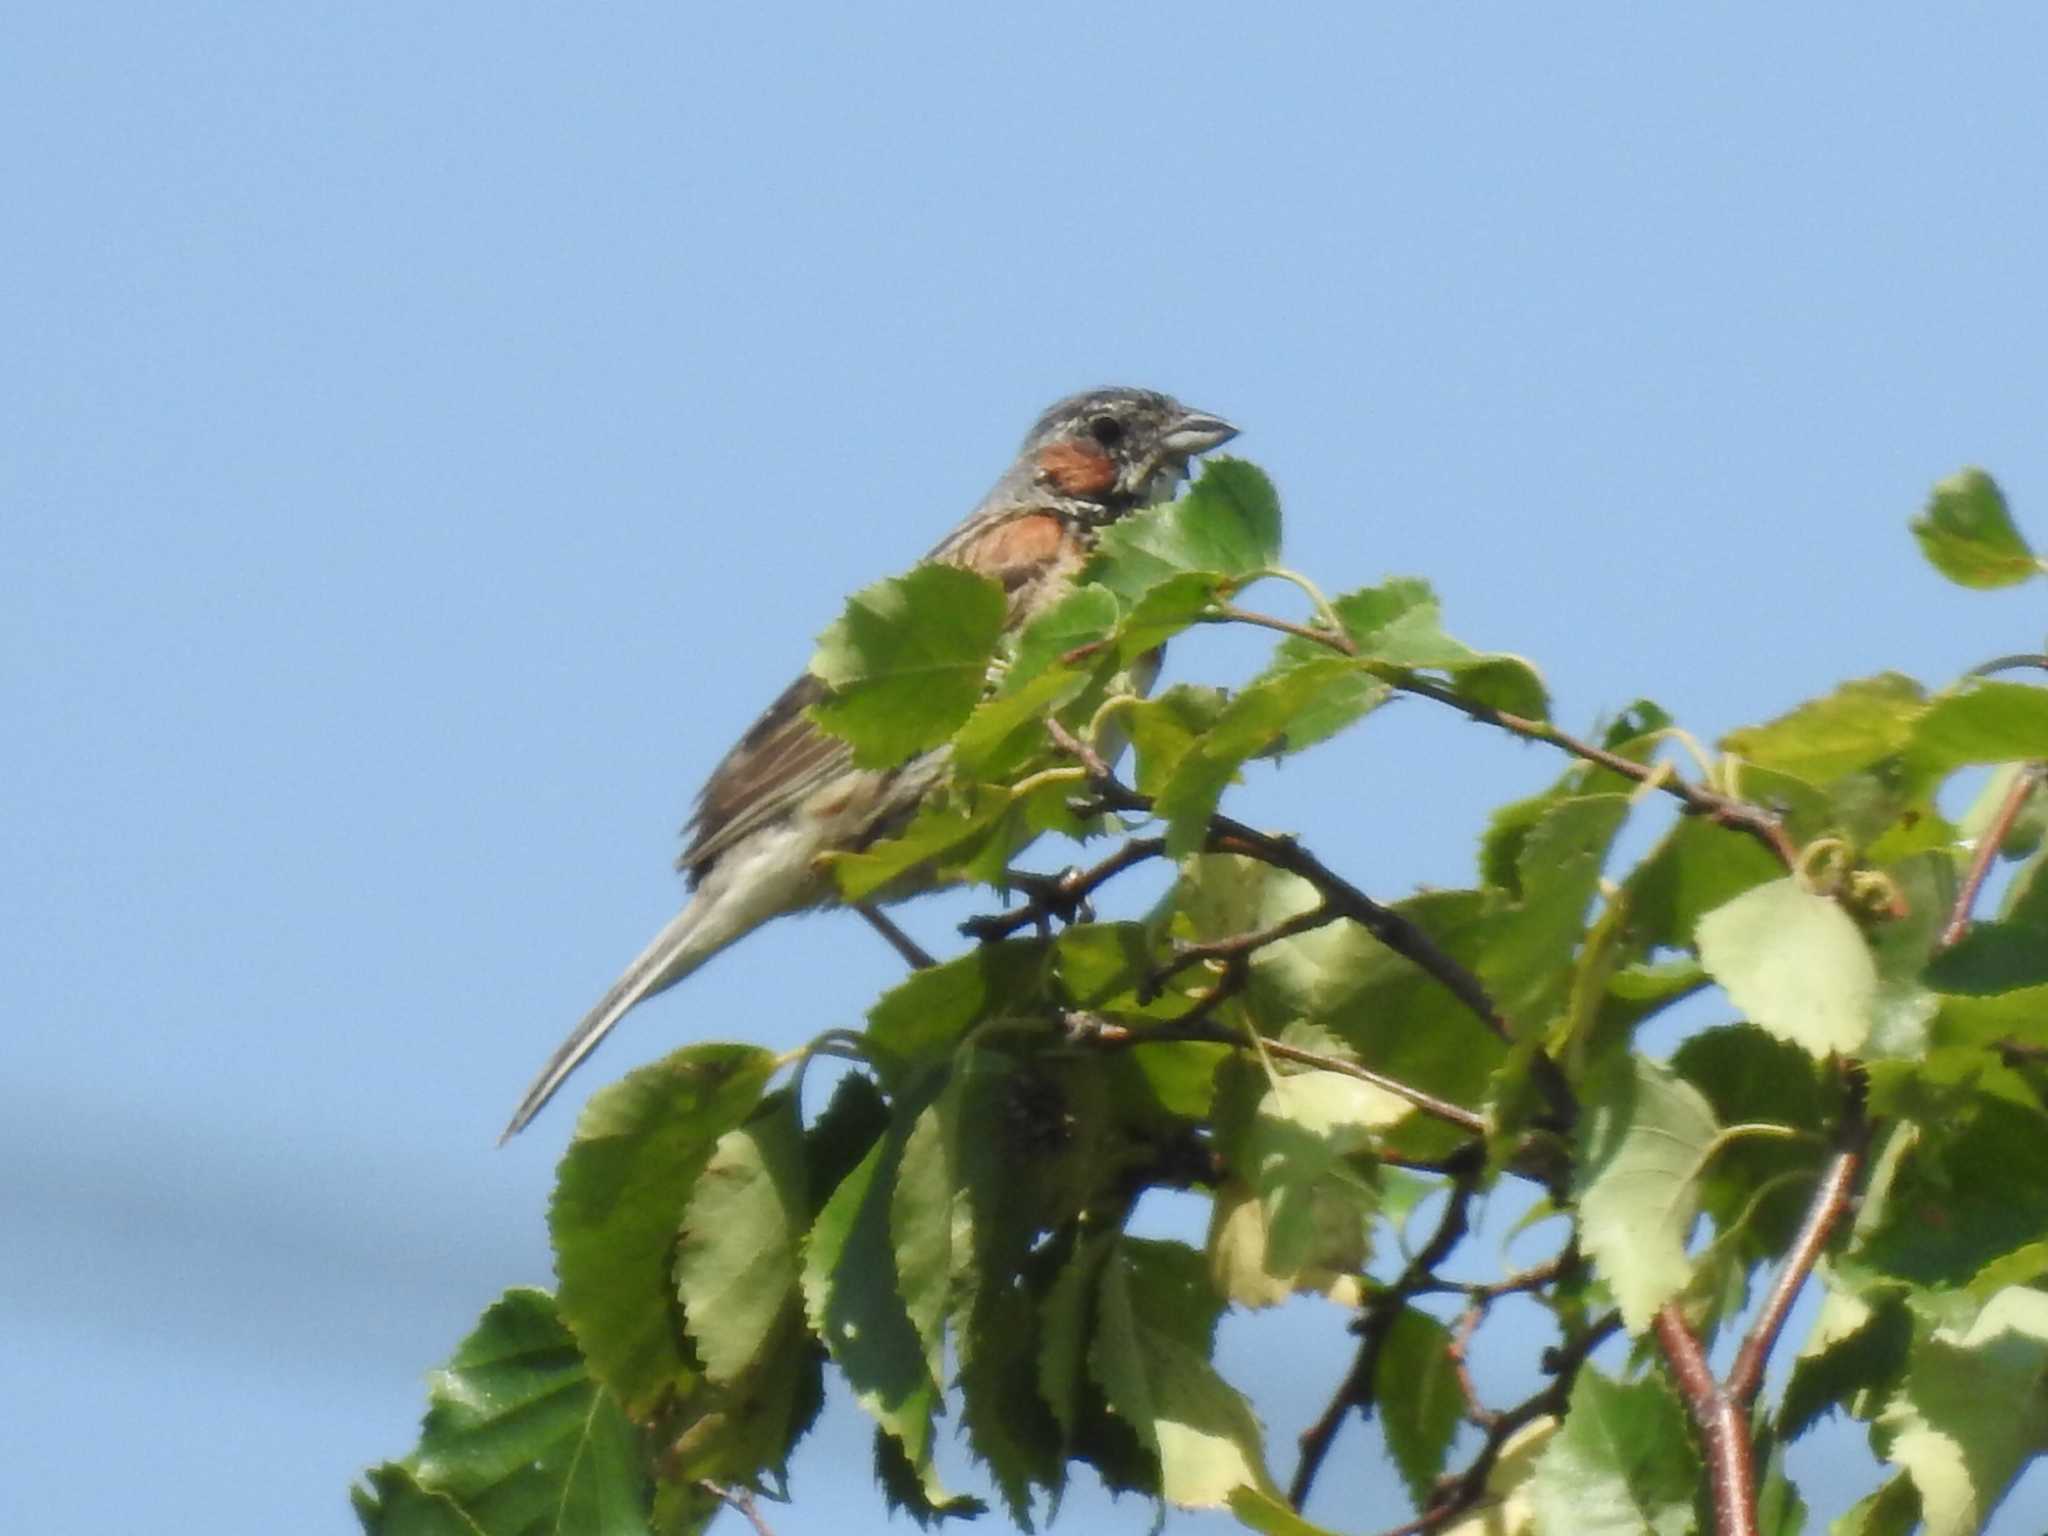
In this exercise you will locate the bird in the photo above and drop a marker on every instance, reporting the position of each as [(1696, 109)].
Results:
[(789, 792)]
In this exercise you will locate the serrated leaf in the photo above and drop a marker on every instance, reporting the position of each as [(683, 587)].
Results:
[(921, 1019), (1253, 723), (1795, 964), (1307, 1149), (1860, 723), (737, 1252), (521, 1440), (1965, 1198), (1168, 608), (853, 1304), (948, 829), (907, 661), (1267, 1514), (1228, 523), (1695, 868), (618, 1201), (1967, 534), (1509, 1508), (1893, 1510), (1421, 1404), (1979, 720), (1086, 616), (1150, 1356), (1973, 1411), (1622, 1465), (1397, 627), (1009, 1426), (1646, 1141), (1858, 1352), (1164, 728), (1557, 874), (390, 1502)]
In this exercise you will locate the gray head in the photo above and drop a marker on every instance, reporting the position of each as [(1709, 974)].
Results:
[(1118, 448)]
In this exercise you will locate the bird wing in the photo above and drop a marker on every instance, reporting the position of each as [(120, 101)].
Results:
[(782, 759)]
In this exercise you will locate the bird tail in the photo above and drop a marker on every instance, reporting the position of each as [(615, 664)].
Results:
[(686, 943)]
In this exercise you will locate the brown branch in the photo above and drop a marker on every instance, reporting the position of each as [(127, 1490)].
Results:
[(2023, 785), (1824, 1213), (1062, 896), (1397, 932), (1723, 1425), (1698, 800), (741, 1499), (1357, 1388)]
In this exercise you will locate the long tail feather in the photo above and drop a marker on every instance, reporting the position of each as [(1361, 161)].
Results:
[(677, 950)]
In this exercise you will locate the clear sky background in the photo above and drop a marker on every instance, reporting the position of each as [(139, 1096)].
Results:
[(429, 433)]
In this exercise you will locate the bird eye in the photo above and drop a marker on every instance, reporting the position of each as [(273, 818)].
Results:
[(1106, 430)]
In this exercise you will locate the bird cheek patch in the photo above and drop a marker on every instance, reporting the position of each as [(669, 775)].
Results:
[(1074, 469)]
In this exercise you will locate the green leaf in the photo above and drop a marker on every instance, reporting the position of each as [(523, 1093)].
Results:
[(1859, 724), (1397, 627), (1968, 535), (1749, 1077), (1424, 1407), (519, 1437), (1965, 1195), (853, 1303), (619, 1200), (1622, 1465), (1509, 1508), (394, 1504), (1992, 958), (1151, 1357), (920, 1020), (1894, 1510), (1088, 615), (1009, 1426), (1168, 608), (737, 1253), (1858, 1352), (1694, 869), (1646, 1142), (907, 661), (1228, 523), (1269, 1515), (1164, 728), (1255, 722), (1556, 876), (1979, 721), (949, 829), (1973, 1411), (1308, 1155), (1795, 963)]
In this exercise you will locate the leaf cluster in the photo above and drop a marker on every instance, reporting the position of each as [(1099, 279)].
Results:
[(949, 1227)]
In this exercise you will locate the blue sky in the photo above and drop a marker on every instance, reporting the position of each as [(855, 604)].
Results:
[(430, 433)]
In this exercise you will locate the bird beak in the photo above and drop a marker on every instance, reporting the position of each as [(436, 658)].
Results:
[(1196, 432)]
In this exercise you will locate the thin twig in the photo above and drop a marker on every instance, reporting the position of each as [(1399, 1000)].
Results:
[(1824, 1213), (1357, 1387), (741, 1499), (1237, 949), (2011, 663), (1723, 1425), (913, 953), (1698, 800), (1058, 898), (1087, 1028), (1986, 853), (1456, 1495), (1397, 932)]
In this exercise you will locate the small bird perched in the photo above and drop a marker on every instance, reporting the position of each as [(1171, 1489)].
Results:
[(789, 792)]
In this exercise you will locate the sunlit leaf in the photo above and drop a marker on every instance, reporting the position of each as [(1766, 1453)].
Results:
[(1645, 1144), (619, 1199), (1795, 964), (1622, 1465), (907, 661)]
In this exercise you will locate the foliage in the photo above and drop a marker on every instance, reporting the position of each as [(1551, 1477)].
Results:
[(951, 1227)]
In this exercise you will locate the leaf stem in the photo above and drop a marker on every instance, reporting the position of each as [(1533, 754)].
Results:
[(1985, 854)]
